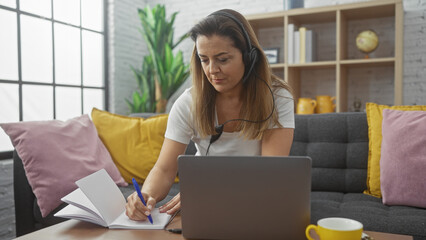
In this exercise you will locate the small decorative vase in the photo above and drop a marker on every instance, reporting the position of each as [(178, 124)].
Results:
[(325, 104), (306, 106)]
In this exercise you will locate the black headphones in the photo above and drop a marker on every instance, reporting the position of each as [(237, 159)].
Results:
[(250, 56)]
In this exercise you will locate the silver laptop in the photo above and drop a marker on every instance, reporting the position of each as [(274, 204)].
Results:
[(245, 197)]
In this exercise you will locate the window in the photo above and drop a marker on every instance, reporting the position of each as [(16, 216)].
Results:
[(52, 61)]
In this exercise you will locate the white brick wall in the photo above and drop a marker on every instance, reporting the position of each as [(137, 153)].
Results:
[(415, 57), (126, 48)]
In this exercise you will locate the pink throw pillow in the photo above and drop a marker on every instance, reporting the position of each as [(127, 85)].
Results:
[(403, 158), (55, 154)]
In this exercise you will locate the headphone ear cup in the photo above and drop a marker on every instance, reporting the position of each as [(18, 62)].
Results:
[(247, 64), (246, 59), (253, 55), (250, 59)]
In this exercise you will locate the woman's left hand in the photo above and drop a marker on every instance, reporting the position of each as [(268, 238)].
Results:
[(172, 206)]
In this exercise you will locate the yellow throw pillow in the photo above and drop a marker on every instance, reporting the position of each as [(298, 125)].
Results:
[(374, 120), (133, 142)]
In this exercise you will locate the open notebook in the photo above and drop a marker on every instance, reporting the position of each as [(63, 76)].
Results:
[(98, 200)]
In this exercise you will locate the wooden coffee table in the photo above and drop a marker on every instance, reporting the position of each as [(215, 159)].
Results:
[(75, 229)]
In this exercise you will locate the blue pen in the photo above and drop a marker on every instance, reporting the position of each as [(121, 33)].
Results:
[(135, 184)]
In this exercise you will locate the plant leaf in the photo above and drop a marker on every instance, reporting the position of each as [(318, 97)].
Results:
[(168, 58)]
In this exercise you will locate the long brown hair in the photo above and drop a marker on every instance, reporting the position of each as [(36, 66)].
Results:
[(257, 100)]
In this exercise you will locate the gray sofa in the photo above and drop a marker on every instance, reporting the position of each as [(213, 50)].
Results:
[(338, 146)]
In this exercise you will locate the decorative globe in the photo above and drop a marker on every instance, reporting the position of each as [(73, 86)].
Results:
[(367, 41)]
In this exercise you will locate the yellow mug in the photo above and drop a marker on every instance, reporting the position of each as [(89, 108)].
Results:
[(336, 229), (306, 106), (325, 104)]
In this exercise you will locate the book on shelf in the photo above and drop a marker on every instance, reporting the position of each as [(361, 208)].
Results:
[(304, 50), (296, 51), (310, 50), (290, 47), (98, 200), (302, 47)]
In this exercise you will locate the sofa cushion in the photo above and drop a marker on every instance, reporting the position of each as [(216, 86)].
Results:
[(55, 154), (403, 158), (374, 119), (370, 212), (134, 142), (338, 145)]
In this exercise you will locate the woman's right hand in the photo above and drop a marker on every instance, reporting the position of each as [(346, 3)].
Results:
[(136, 210)]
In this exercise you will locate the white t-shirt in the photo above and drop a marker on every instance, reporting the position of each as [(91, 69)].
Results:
[(181, 127)]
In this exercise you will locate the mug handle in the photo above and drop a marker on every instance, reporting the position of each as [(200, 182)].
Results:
[(309, 227), (314, 103), (331, 100)]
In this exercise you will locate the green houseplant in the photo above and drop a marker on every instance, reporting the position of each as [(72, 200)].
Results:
[(162, 72)]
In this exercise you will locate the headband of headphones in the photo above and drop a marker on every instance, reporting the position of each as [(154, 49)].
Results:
[(239, 23)]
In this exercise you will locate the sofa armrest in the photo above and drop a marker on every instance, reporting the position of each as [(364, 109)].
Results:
[(24, 198)]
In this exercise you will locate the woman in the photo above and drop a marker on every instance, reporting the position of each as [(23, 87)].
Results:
[(231, 91)]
